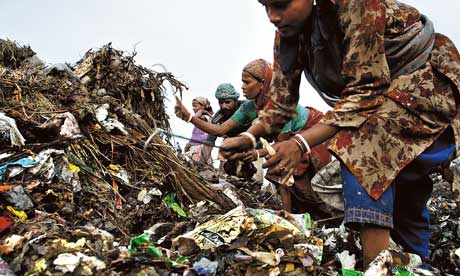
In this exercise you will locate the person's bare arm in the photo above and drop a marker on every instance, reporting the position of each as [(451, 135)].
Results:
[(208, 127), (288, 153), (214, 129), (319, 133)]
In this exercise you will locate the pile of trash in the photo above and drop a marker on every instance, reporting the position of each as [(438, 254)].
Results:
[(90, 184), (83, 166), (445, 229)]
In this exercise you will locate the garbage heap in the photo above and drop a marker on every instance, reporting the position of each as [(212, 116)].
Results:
[(75, 168), (89, 186)]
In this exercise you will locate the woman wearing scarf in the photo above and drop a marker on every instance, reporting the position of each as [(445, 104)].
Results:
[(195, 148), (393, 84), (256, 78)]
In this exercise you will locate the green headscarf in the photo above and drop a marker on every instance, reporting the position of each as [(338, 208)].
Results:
[(226, 91)]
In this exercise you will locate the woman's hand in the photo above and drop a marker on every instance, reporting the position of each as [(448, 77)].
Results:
[(235, 147), (180, 110), (284, 162), (253, 155)]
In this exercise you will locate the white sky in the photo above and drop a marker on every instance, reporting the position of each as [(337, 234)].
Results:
[(203, 43)]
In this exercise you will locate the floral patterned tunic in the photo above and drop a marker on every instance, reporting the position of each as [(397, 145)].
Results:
[(386, 120)]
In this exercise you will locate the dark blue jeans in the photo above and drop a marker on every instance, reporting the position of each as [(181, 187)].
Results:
[(402, 207)]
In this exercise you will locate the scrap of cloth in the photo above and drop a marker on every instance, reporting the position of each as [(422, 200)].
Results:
[(386, 119)]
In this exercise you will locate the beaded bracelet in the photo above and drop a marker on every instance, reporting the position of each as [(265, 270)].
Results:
[(251, 137)]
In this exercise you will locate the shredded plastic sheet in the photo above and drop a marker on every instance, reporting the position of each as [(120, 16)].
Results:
[(40, 165), (68, 124), (23, 162), (8, 128)]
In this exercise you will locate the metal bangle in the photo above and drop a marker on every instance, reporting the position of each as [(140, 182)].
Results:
[(302, 147), (251, 137), (304, 142), (190, 118)]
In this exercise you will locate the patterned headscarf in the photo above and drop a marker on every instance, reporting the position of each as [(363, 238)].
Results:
[(205, 103), (226, 91), (261, 70)]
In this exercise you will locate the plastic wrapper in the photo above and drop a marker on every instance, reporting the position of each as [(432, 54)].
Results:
[(67, 262), (169, 201), (310, 254), (143, 244), (270, 258), (119, 172), (266, 218), (69, 174), (5, 223), (351, 272), (21, 215), (60, 68), (303, 221), (205, 267)]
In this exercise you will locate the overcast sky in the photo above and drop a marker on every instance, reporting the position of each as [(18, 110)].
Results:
[(203, 43)]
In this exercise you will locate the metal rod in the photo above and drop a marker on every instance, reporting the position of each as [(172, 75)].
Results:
[(158, 131), (195, 141)]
